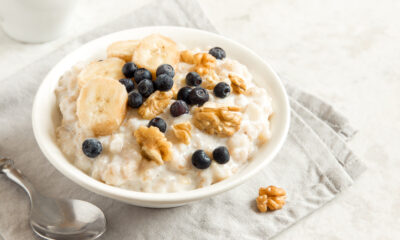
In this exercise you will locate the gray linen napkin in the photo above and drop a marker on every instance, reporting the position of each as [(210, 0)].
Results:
[(314, 165)]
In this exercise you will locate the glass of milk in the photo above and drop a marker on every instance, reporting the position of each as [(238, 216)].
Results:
[(36, 21)]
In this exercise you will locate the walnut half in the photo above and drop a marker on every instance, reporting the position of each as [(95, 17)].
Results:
[(221, 121), (155, 104), (237, 84), (204, 63), (154, 145), (182, 132), (272, 198)]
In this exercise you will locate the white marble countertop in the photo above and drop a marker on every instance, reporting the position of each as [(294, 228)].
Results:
[(346, 52)]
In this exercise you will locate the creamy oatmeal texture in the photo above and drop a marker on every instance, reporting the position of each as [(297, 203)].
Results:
[(145, 159)]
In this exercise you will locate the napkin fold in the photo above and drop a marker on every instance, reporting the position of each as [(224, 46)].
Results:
[(314, 165)]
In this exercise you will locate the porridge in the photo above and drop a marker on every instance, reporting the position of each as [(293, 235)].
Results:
[(157, 117)]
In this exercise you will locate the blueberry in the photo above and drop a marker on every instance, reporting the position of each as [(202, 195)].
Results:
[(158, 122), (164, 82), (200, 159), (183, 94), (127, 82), (129, 69), (140, 74), (221, 155), (217, 52), (91, 147), (165, 69), (135, 100), (222, 90), (193, 79), (198, 96), (178, 108), (145, 87)]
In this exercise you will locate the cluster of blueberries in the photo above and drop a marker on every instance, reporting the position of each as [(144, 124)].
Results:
[(192, 94), (145, 84)]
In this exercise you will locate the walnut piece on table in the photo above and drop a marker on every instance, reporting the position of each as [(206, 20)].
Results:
[(153, 143), (275, 203), (221, 121), (237, 84), (182, 132), (262, 203), (155, 104), (272, 191), (271, 197)]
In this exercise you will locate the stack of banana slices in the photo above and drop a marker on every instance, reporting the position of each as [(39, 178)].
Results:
[(102, 101)]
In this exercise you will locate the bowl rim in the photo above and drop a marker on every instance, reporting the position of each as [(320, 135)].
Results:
[(84, 180)]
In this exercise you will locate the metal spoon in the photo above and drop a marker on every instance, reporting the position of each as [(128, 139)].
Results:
[(61, 219)]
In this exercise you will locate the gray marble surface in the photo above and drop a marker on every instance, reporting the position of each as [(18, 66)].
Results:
[(346, 52)]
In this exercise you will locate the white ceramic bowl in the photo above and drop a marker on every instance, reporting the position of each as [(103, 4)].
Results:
[(46, 116)]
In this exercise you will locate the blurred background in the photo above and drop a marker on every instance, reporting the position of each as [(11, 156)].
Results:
[(346, 52)]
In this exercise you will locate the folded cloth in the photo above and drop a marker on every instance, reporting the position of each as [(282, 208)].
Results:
[(314, 165)]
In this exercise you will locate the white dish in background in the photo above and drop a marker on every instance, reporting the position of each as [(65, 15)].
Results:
[(46, 116)]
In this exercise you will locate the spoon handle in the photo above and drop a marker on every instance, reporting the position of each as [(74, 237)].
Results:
[(7, 168)]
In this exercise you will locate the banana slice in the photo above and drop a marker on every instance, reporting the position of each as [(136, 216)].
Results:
[(155, 50), (122, 49), (101, 105), (109, 68)]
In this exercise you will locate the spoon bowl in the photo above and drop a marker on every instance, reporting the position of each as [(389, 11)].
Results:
[(56, 218), (67, 218)]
